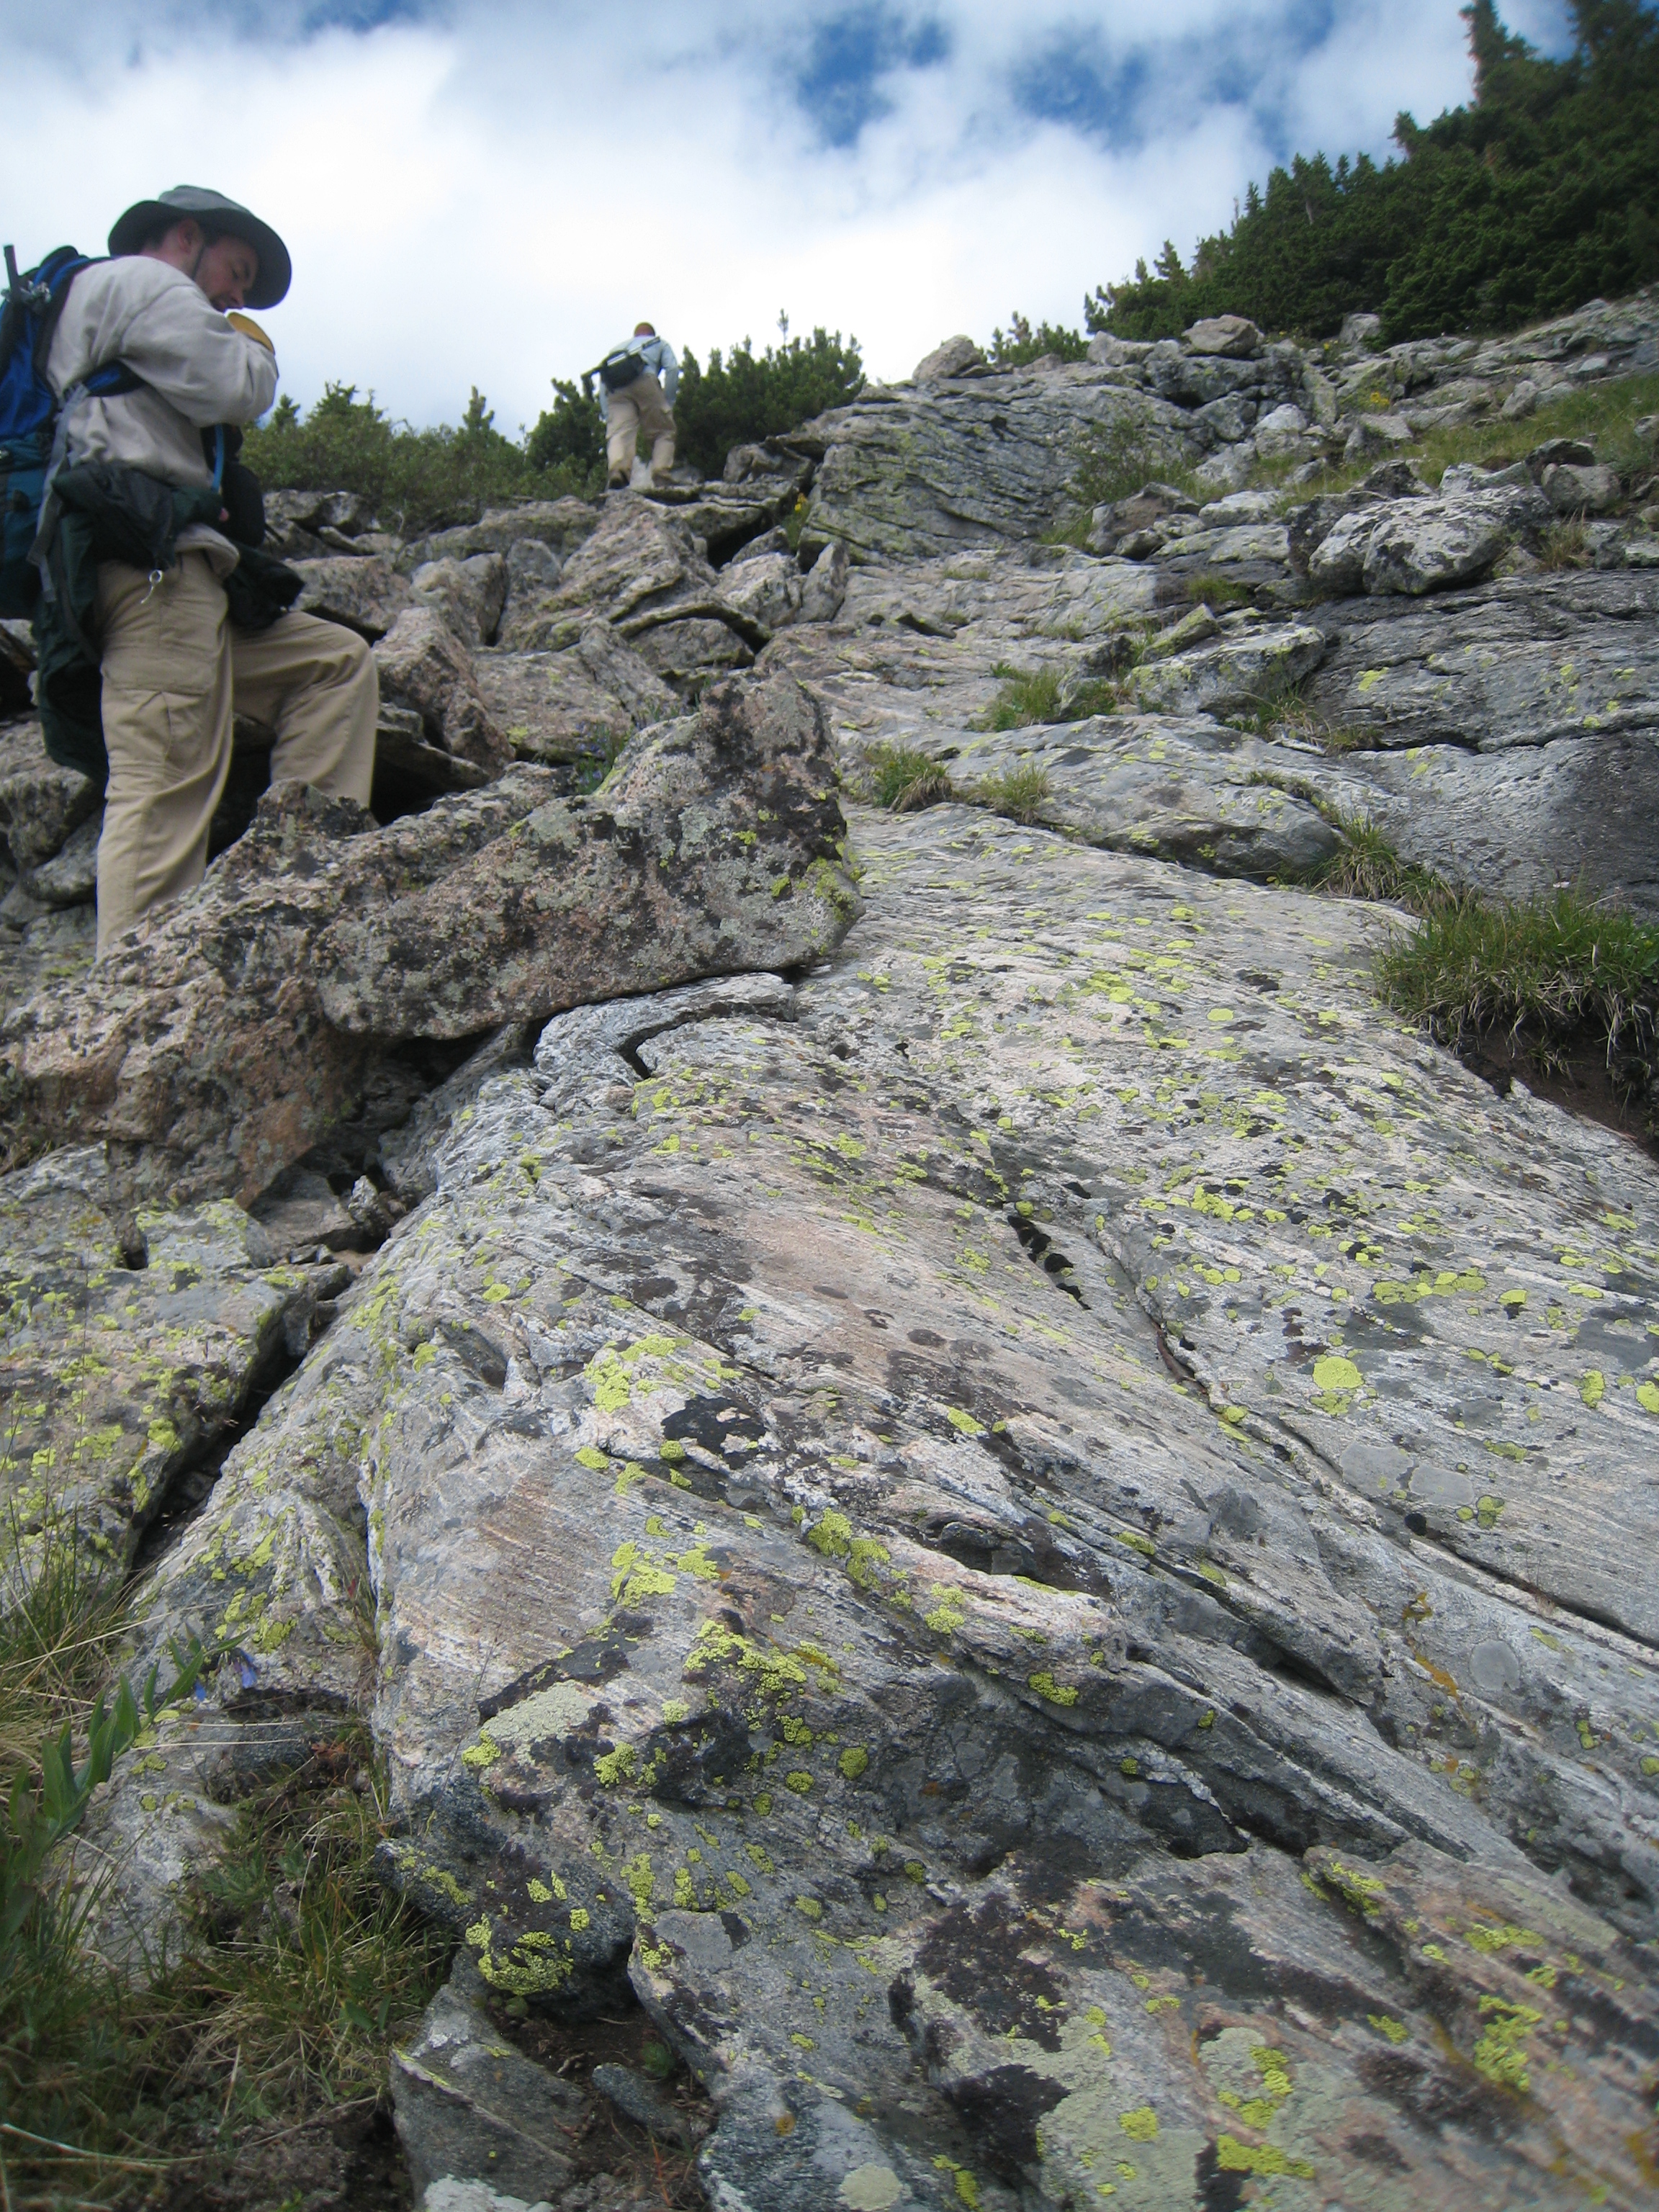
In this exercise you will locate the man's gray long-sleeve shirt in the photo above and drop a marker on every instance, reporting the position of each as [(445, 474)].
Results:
[(659, 361), (197, 369)]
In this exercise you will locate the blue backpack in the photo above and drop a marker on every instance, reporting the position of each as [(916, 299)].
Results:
[(29, 410)]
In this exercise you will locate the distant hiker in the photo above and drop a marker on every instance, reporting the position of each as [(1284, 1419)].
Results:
[(178, 658), (631, 400)]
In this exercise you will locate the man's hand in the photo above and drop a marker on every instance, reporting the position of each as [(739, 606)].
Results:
[(250, 329)]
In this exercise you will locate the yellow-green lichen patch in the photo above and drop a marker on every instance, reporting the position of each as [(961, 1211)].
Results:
[(1056, 1693), (1500, 2053), (636, 1575), (1489, 1941), (1395, 2030), (1140, 2125), (800, 1781), (1235, 2157), (854, 1761)]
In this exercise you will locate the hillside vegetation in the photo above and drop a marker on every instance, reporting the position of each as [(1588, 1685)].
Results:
[(1539, 195), (428, 478)]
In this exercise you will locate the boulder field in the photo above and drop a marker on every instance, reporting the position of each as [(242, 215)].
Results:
[(936, 1448)]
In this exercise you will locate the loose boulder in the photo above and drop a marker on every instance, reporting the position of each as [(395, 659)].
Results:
[(235, 1028)]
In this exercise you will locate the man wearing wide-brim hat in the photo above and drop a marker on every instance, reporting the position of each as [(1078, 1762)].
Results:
[(165, 305)]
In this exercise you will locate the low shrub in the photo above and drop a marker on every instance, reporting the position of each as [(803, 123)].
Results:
[(1018, 793), (415, 480), (903, 778), (1028, 695), (743, 397), (1551, 967), (1019, 343)]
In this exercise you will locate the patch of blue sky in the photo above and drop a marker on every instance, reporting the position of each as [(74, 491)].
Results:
[(362, 15), (1124, 96), (839, 84)]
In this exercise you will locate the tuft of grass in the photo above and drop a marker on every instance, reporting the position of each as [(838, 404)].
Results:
[(1214, 591), (597, 758), (1035, 696), (1018, 793), (904, 778), (298, 1968), (1564, 545), (1028, 695), (1369, 867), (1554, 969)]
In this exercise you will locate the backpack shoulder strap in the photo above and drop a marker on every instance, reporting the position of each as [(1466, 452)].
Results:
[(57, 272)]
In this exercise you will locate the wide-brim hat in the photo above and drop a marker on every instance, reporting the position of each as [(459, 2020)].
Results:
[(142, 221)]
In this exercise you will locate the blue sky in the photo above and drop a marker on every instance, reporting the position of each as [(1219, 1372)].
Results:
[(492, 194)]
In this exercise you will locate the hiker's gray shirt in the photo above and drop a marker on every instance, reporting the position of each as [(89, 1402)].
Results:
[(659, 361), (197, 372)]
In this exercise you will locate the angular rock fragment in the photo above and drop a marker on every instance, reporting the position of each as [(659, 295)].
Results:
[(471, 2108), (1235, 336), (592, 695), (470, 593), (40, 804), (366, 595), (424, 665), (232, 1030)]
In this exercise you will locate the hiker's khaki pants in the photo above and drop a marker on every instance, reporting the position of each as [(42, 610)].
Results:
[(173, 671), (639, 406)]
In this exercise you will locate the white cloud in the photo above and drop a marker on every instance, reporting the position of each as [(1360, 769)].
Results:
[(497, 197)]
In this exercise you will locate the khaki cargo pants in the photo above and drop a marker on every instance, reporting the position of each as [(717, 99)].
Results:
[(638, 406), (174, 672)]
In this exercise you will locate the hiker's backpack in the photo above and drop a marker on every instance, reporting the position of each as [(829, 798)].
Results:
[(618, 370), (29, 410)]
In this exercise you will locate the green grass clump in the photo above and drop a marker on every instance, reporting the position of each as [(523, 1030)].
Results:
[(292, 1972), (1369, 867), (904, 778), (1553, 967), (1564, 545), (1214, 591), (1027, 696), (1020, 794)]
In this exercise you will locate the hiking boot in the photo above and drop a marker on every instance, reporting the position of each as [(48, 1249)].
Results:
[(618, 483)]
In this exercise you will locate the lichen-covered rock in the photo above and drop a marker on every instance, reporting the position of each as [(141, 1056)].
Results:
[(424, 665), (125, 1353), (231, 1030), (1038, 1706), (591, 696), (1239, 673), (364, 593), (928, 470), (1180, 790), (1522, 661)]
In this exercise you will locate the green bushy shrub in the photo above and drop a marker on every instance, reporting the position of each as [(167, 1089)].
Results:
[(743, 396), (417, 480), (1542, 193)]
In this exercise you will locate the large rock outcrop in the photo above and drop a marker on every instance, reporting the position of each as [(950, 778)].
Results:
[(1016, 1511), (1111, 1647), (228, 1034)]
